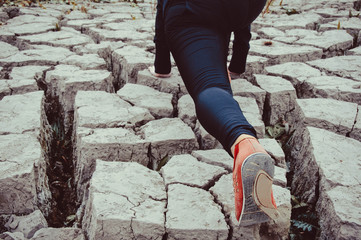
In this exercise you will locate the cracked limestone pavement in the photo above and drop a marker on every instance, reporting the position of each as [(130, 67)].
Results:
[(141, 165)]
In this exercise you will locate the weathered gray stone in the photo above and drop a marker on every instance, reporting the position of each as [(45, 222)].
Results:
[(128, 61), (12, 236), (274, 150), (23, 182), (255, 64), (7, 50), (187, 111), (193, 214), (71, 15), (108, 144), (65, 80), (279, 228), (270, 32), (279, 178), (158, 103), (98, 48), (356, 131), (223, 192), (284, 22), (279, 52), (331, 87), (351, 25), (206, 140), (187, 170), (354, 51), (4, 88), (59, 234), (295, 72), (39, 55), (168, 137), (20, 113), (28, 224), (280, 98), (99, 35), (81, 24), (66, 37), (243, 88), (98, 109), (23, 79), (339, 211), (217, 157), (173, 84), (86, 61), (343, 66), (30, 24), (327, 163), (250, 110), (332, 42), (329, 114), (127, 200)]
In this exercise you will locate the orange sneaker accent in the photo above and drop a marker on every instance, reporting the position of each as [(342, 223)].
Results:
[(243, 150)]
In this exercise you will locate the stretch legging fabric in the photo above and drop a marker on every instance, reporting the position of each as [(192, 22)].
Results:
[(197, 33)]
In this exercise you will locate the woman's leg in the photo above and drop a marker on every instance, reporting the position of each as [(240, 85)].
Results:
[(201, 56)]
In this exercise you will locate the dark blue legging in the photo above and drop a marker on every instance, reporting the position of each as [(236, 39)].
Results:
[(198, 39)]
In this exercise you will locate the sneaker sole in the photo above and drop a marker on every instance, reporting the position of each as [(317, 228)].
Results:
[(254, 169)]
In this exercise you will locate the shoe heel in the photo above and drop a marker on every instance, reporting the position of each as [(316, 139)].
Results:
[(263, 196)]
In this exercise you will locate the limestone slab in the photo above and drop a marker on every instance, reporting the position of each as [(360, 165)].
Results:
[(185, 206), (295, 72), (99, 35), (128, 61), (274, 150), (354, 51), (123, 204), (173, 84), (329, 165), (29, 28), (356, 131), (270, 32), (158, 103), (206, 140), (279, 52), (343, 66), (98, 109), (331, 87), (7, 50), (351, 25), (97, 48), (256, 64), (66, 80), (24, 183), (59, 234), (332, 42), (217, 157), (107, 144), (187, 170), (167, 137), (20, 113), (250, 110), (23, 79), (280, 97), (284, 21), (336, 116), (187, 111), (66, 37), (40, 55), (28, 224), (343, 218), (243, 88), (86, 61)]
